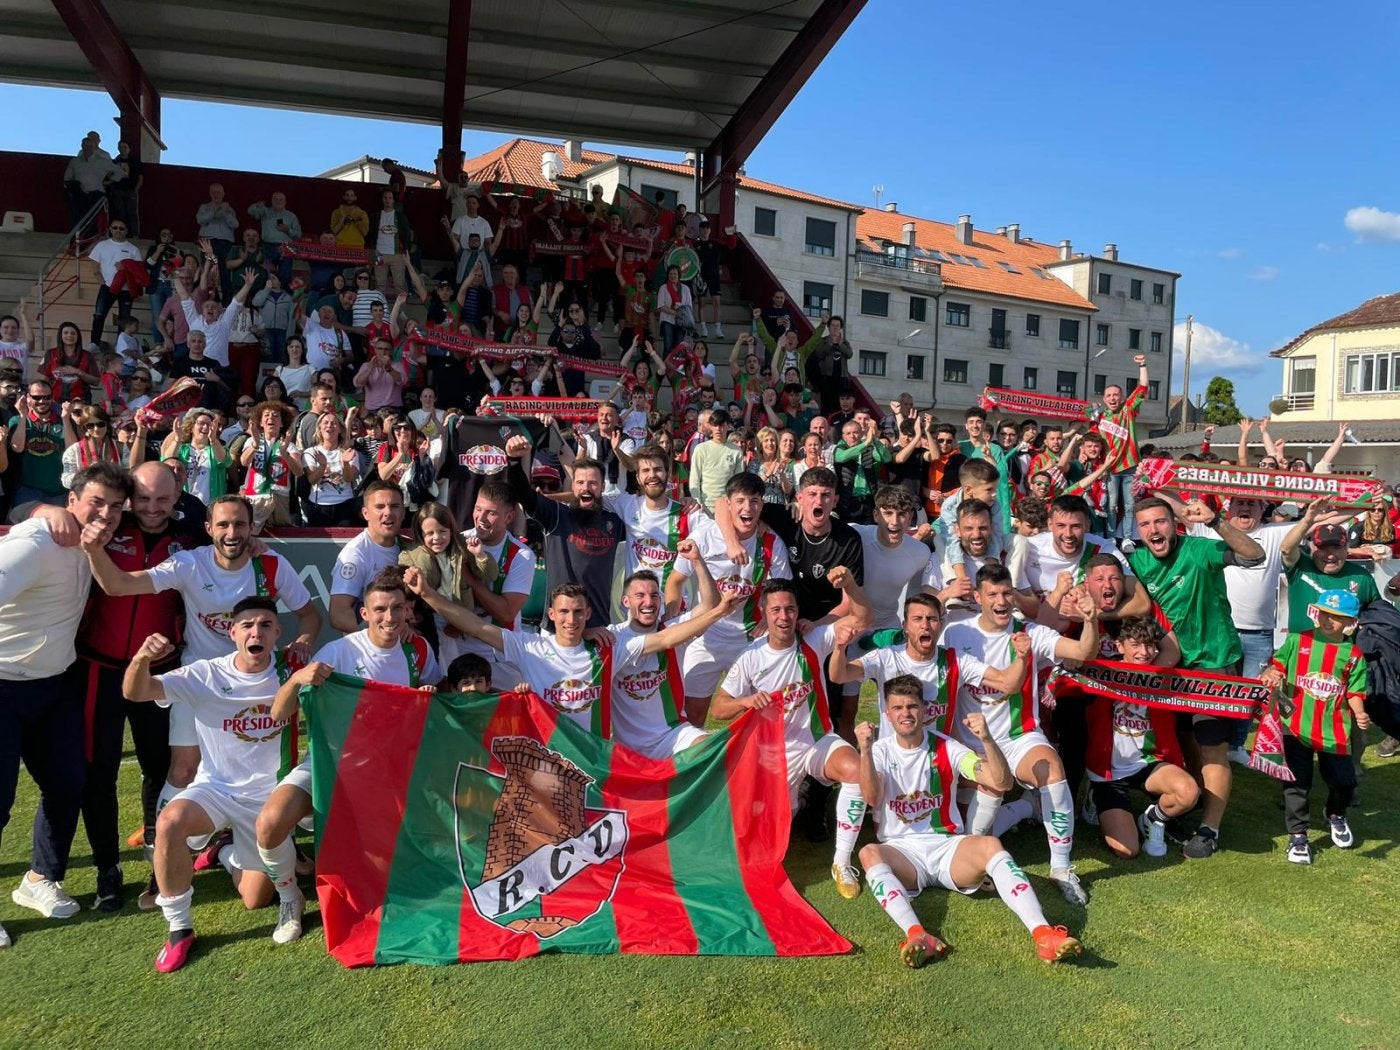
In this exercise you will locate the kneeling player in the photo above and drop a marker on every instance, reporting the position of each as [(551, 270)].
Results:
[(910, 783), (241, 744), (1134, 746)]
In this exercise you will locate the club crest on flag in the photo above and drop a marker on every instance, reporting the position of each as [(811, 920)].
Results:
[(534, 856)]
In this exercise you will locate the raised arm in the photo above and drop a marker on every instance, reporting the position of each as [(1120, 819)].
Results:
[(1324, 465), (458, 616), (138, 684)]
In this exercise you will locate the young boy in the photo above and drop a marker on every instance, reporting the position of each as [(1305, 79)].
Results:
[(1134, 746), (978, 478), (468, 673), (128, 344), (1323, 676)]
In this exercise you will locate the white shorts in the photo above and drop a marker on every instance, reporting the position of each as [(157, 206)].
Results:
[(227, 811), (1015, 749), (806, 758), (182, 730), (299, 777), (662, 747), (932, 858), (706, 661)]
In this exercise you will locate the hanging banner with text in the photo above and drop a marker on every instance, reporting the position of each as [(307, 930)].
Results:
[(1023, 403), (1273, 486)]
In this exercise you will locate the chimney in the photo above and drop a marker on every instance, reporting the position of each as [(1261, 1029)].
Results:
[(909, 234), (1013, 233), (1001, 231), (1066, 251), (964, 229), (1110, 252), (573, 149), (549, 165), (691, 158), (892, 206)]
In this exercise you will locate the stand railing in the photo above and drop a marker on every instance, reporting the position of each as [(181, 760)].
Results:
[(51, 292)]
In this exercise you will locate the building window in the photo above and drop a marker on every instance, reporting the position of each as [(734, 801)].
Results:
[(1134, 338), (959, 315), (1159, 293), (1105, 283), (954, 371), (1069, 335), (872, 363), (821, 237), (914, 366), (1029, 378), (1373, 373), (668, 201), (1100, 335), (1067, 383), (1154, 390), (1033, 324), (874, 304), (1135, 289), (1155, 345), (1100, 384), (1302, 375), (996, 376), (765, 221), (816, 298), (918, 308)]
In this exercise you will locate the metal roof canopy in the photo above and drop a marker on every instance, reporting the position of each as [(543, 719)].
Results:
[(662, 73)]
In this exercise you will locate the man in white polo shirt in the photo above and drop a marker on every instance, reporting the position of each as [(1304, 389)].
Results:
[(214, 321), (368, 554)]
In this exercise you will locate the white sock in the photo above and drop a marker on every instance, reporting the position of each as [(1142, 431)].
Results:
[(280, 862), (891, 895), (704, 328), (230, 865), (177, 910), (167, 795), (850, 813), (1010, 814), (1016, 890), (1154, 813), (982, 813), (1057, 813)]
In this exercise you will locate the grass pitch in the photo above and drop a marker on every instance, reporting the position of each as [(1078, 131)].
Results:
[(1241, 950)]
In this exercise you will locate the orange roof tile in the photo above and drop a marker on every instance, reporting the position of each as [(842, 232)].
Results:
[(519, 161), (878, 228), (1381, 312)]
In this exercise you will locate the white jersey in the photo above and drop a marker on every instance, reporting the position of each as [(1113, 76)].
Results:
[(570, 678), (1009, 715), (359, 562), (888, 571), (240, 745), (797, 675), (1253, 593), (652, 535), (768, 560), (210, 593), (941, 675), (517, 576), (410, 663), (919, 786), (648, 700), (1044, 563)]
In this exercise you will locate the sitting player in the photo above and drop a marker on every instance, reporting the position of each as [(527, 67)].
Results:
[(910, 783), (1323, 675), (1134, 746)]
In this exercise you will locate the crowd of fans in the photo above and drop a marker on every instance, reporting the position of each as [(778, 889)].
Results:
[(323, 402)]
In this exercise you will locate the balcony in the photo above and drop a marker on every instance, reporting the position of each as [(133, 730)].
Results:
[(998, 340), (903, 271), (1300, 402)]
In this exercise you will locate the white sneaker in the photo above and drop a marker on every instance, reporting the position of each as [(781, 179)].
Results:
[(47, 897), (1089, 813), (4, 939), (1299, 852), (1238, 755), (1341, 832), (719, 331), (1070, 887), (704, 329), (289, 915), (1154, 836)]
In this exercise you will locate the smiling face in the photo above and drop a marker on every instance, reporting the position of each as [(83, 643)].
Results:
[(491, 518), (975, 533), (1157, 529), (96, 504), (780, 612), (229, 526), (569, 614), (588, 488), (642, 600), (384, 613), (652, 477), (894, 522), (436, 536), (1067, 529), (1113, 398), (998, 601)]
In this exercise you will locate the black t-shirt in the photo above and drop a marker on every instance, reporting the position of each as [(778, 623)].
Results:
[(132, 168), (452, 381), (475, 453), (811, 560)]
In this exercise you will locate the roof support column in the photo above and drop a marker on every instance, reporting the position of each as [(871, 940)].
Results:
[(116, 65), (454, 87)]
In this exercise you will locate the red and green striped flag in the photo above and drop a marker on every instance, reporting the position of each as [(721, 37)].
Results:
[(468, 827)]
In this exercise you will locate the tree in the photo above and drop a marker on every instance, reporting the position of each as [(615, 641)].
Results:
[(1220, 407)]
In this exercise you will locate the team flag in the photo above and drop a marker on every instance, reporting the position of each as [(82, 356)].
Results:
[(467, 827), (634, 208)]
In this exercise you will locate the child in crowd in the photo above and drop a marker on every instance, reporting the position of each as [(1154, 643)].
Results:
[(978, 480), (1322, 676)]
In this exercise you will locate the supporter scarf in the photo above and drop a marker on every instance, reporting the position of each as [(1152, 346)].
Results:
[(1267, 754), (597, 368), (813, 677), (286, 665), (572, 409), (560, 247), (1272, 486), (1021, 709), (331, 253), (480, 348), (270, 451), (1022, 403), (183, 394), (1167, 688)]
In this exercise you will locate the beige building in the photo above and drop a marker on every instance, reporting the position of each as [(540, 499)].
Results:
[(1347, 367)]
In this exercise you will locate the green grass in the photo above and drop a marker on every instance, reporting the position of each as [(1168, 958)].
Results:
[(1241, 950)]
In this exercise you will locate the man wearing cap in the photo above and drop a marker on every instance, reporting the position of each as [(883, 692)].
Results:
[(1326, 568)]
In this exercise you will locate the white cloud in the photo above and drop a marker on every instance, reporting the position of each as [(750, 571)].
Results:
[(1231, 253), (1330, 249), (1215, 353), (1263, 273), (1372, 225)]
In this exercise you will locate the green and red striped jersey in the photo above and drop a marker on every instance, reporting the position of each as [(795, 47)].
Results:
[(1119, 430), (1323, 677)]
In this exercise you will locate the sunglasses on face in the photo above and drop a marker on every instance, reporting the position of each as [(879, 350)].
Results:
[(245, 404), (40, 397), (95, 426)]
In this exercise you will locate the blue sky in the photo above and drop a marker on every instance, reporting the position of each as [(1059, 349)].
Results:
[(1250, 147)]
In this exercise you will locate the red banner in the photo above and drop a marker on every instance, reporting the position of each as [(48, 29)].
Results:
[(596, 368), (572, 409), (183, 394), (1022, 403), (1274, 486), (1167, 688), (638, 242), (315, 251), (478, 347)]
